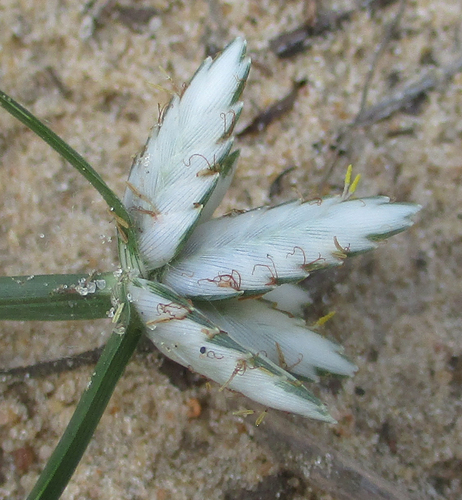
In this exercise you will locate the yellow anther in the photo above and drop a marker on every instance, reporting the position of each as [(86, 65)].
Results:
[(348, 176), (118, 312), (355, 183), (162, 88), (176, 90), (324, 319), (261, 417), (350, 187), (120, 221), (243, 413), (123, 235)]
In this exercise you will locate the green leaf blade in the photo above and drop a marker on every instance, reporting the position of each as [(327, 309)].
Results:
[(90, 408), (130, 257), (55, 297)]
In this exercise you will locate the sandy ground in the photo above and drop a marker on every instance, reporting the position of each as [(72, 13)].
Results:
[(91, 74)]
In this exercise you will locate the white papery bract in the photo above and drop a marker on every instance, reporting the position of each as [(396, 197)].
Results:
[(286, 341), (255, 251), (186, 157), (289, 297), (188, 337), (173, 189)]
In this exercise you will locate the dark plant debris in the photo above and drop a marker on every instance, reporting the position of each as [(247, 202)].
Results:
[(300, 39), (273, 112)]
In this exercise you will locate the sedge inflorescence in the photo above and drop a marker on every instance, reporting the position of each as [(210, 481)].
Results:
[(195, 269)]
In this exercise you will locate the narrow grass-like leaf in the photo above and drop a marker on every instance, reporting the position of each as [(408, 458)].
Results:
[(187, 157), (253, 252), (130, 257), (80, 429), (55, 297)]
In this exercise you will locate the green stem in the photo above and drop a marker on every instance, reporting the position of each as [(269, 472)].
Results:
[(87, 415)]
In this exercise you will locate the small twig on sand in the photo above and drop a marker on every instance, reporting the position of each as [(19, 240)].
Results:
[(345, 135), (45, 368), (401, 100), (302, 38), (323, 467), (276, 110), (409, 93), (389, 32)]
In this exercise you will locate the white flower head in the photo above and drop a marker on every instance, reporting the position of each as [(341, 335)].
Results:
[(202, 267)]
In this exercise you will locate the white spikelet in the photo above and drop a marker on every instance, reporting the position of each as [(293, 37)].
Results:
[(255, 325), (188, 337), (253, 252), (187, 156)]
